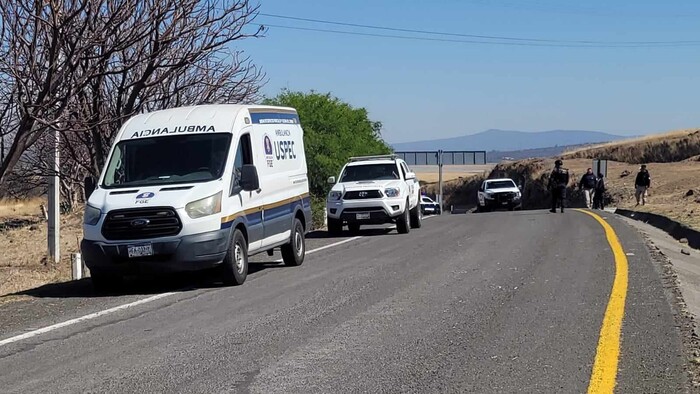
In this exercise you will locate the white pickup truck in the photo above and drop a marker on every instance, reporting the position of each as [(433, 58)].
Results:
[(374, 190)]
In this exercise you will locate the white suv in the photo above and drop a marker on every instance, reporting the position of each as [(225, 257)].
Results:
[(374, 190), (499, 193)]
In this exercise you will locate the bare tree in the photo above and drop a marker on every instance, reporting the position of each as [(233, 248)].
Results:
[(81, 67)]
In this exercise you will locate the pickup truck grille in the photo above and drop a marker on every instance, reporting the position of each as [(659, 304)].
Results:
[(141, 223), (504, 196), (362, 194)]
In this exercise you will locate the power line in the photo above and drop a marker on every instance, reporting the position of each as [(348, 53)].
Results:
[(486, 37), (576, 10), (525, 44)]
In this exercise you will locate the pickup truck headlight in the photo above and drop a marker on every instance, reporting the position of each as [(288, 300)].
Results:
[(489, 195), (204, 207), (392, 192), (91, 215), (334, 195)]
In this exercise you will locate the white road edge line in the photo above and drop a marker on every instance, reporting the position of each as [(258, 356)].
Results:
[(82, 319), (95, 315)]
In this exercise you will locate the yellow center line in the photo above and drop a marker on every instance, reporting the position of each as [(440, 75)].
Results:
[(607, 355)]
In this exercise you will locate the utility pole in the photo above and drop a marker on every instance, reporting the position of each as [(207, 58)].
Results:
[(439, 160), (54, 197)]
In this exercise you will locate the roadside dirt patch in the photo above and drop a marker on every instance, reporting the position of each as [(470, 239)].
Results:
[(23, 242), (684, 319)]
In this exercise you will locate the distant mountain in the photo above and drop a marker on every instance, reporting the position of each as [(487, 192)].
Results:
[(505, 140)]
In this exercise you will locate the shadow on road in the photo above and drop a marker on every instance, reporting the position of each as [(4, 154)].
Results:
[(370, 231), (145, 285)]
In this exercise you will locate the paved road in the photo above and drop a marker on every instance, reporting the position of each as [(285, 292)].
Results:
[(500, 302)]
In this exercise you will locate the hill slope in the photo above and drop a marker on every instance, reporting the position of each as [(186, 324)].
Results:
[(661, 148), (504, 140)]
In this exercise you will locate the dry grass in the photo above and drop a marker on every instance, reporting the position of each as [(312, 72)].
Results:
[(429, 177), (13, 209), (23, 260), (660, 148), (429, 174)]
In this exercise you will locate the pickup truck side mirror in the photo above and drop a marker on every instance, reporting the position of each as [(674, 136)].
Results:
[(331, 180), (249, 178), (89, 186)]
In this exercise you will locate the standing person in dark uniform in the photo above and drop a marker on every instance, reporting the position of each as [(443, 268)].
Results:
[(599, 192), (587, 184), (641, 184), (557, 185)]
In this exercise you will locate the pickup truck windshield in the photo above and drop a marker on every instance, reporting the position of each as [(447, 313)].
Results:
[(500, 185), (167, 160), (370, 172)]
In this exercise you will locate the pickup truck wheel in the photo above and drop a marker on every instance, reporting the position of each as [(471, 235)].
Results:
[(335, 226), (293, 253), (234, 269), (416, 217), (402, 223)]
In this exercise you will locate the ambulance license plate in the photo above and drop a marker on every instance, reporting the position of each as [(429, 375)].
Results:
[(140, 250), (362, 216)]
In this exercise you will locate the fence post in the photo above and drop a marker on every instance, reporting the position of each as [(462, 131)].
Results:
[(77, 267)]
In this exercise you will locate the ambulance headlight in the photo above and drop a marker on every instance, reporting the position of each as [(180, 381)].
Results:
[(204, 207), (334, 195), (91, 215), (392, 192)]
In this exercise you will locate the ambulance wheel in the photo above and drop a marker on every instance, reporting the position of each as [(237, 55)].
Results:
[(335, 226), (403, 222), (416, 217), (234, 269), (293, 253)]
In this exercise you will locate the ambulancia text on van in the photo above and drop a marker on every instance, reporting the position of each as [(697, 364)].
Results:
[(198, 187)]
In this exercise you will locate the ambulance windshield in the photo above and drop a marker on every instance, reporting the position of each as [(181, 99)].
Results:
[(167, 160)]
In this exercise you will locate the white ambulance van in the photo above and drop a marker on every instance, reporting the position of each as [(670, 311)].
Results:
[(198, 187)]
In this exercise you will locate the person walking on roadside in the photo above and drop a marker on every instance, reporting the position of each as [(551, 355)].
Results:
[(558, 180), (587, 184), (598, 202), (642, 184)]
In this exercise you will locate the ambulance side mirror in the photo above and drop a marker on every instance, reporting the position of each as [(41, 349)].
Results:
[(89, 186), (249, 178)]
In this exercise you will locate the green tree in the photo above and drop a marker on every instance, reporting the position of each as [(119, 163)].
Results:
[(333, 132)]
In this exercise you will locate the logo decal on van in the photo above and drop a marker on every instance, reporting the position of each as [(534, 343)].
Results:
[(144, 198), (145, 195), (268, 150)]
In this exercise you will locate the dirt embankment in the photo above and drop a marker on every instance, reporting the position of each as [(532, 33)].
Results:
[(674, 193), (664, 148)]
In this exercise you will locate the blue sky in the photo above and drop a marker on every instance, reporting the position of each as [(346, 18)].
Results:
[(424, 90)]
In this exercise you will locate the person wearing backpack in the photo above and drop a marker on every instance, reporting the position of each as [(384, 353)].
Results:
[(558, 180), (642, 184)]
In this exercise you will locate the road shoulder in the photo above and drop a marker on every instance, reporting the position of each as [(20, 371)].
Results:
[(680, 274)]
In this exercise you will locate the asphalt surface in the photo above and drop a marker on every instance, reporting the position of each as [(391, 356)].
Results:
[(496, 302)]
